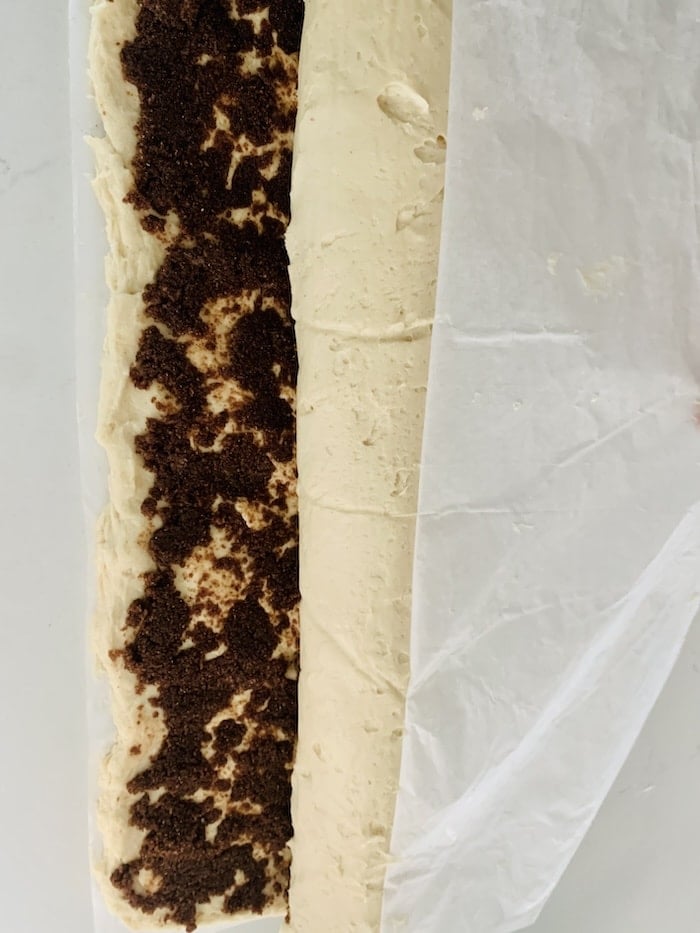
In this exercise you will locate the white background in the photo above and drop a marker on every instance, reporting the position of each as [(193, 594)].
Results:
[(637, 872), (43, 856)]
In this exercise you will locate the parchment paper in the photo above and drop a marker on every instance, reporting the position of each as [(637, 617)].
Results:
[(91, 296), (558, 544)]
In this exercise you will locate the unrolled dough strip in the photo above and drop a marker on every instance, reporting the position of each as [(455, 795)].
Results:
[(197, 627)]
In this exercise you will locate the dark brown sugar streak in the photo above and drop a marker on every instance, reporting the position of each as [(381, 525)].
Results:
[(212, 179)]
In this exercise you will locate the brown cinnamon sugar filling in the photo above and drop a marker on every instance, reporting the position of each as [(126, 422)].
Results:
[(216, 631)]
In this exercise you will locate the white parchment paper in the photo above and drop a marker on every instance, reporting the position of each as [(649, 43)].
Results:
[(558, 545), (91, 296)]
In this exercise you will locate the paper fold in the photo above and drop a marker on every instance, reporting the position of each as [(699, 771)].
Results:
[(558, 540)]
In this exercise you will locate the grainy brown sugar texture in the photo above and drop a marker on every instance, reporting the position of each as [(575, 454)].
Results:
[(213, 640)]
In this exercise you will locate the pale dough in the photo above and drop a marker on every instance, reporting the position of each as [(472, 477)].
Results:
[(366, 216)]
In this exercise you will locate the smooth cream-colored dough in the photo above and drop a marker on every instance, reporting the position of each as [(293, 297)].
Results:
[(364, 240)]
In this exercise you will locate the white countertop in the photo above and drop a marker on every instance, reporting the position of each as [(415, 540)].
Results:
[(636, 871), (44, 875)]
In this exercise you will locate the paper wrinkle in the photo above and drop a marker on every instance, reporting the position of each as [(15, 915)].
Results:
[(509, 337), (643, 634), (558, 535)]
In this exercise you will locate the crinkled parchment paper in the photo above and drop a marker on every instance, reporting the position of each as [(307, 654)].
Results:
[(558, 546)]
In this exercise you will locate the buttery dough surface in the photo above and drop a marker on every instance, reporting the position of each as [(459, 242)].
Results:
[(367, 196)]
